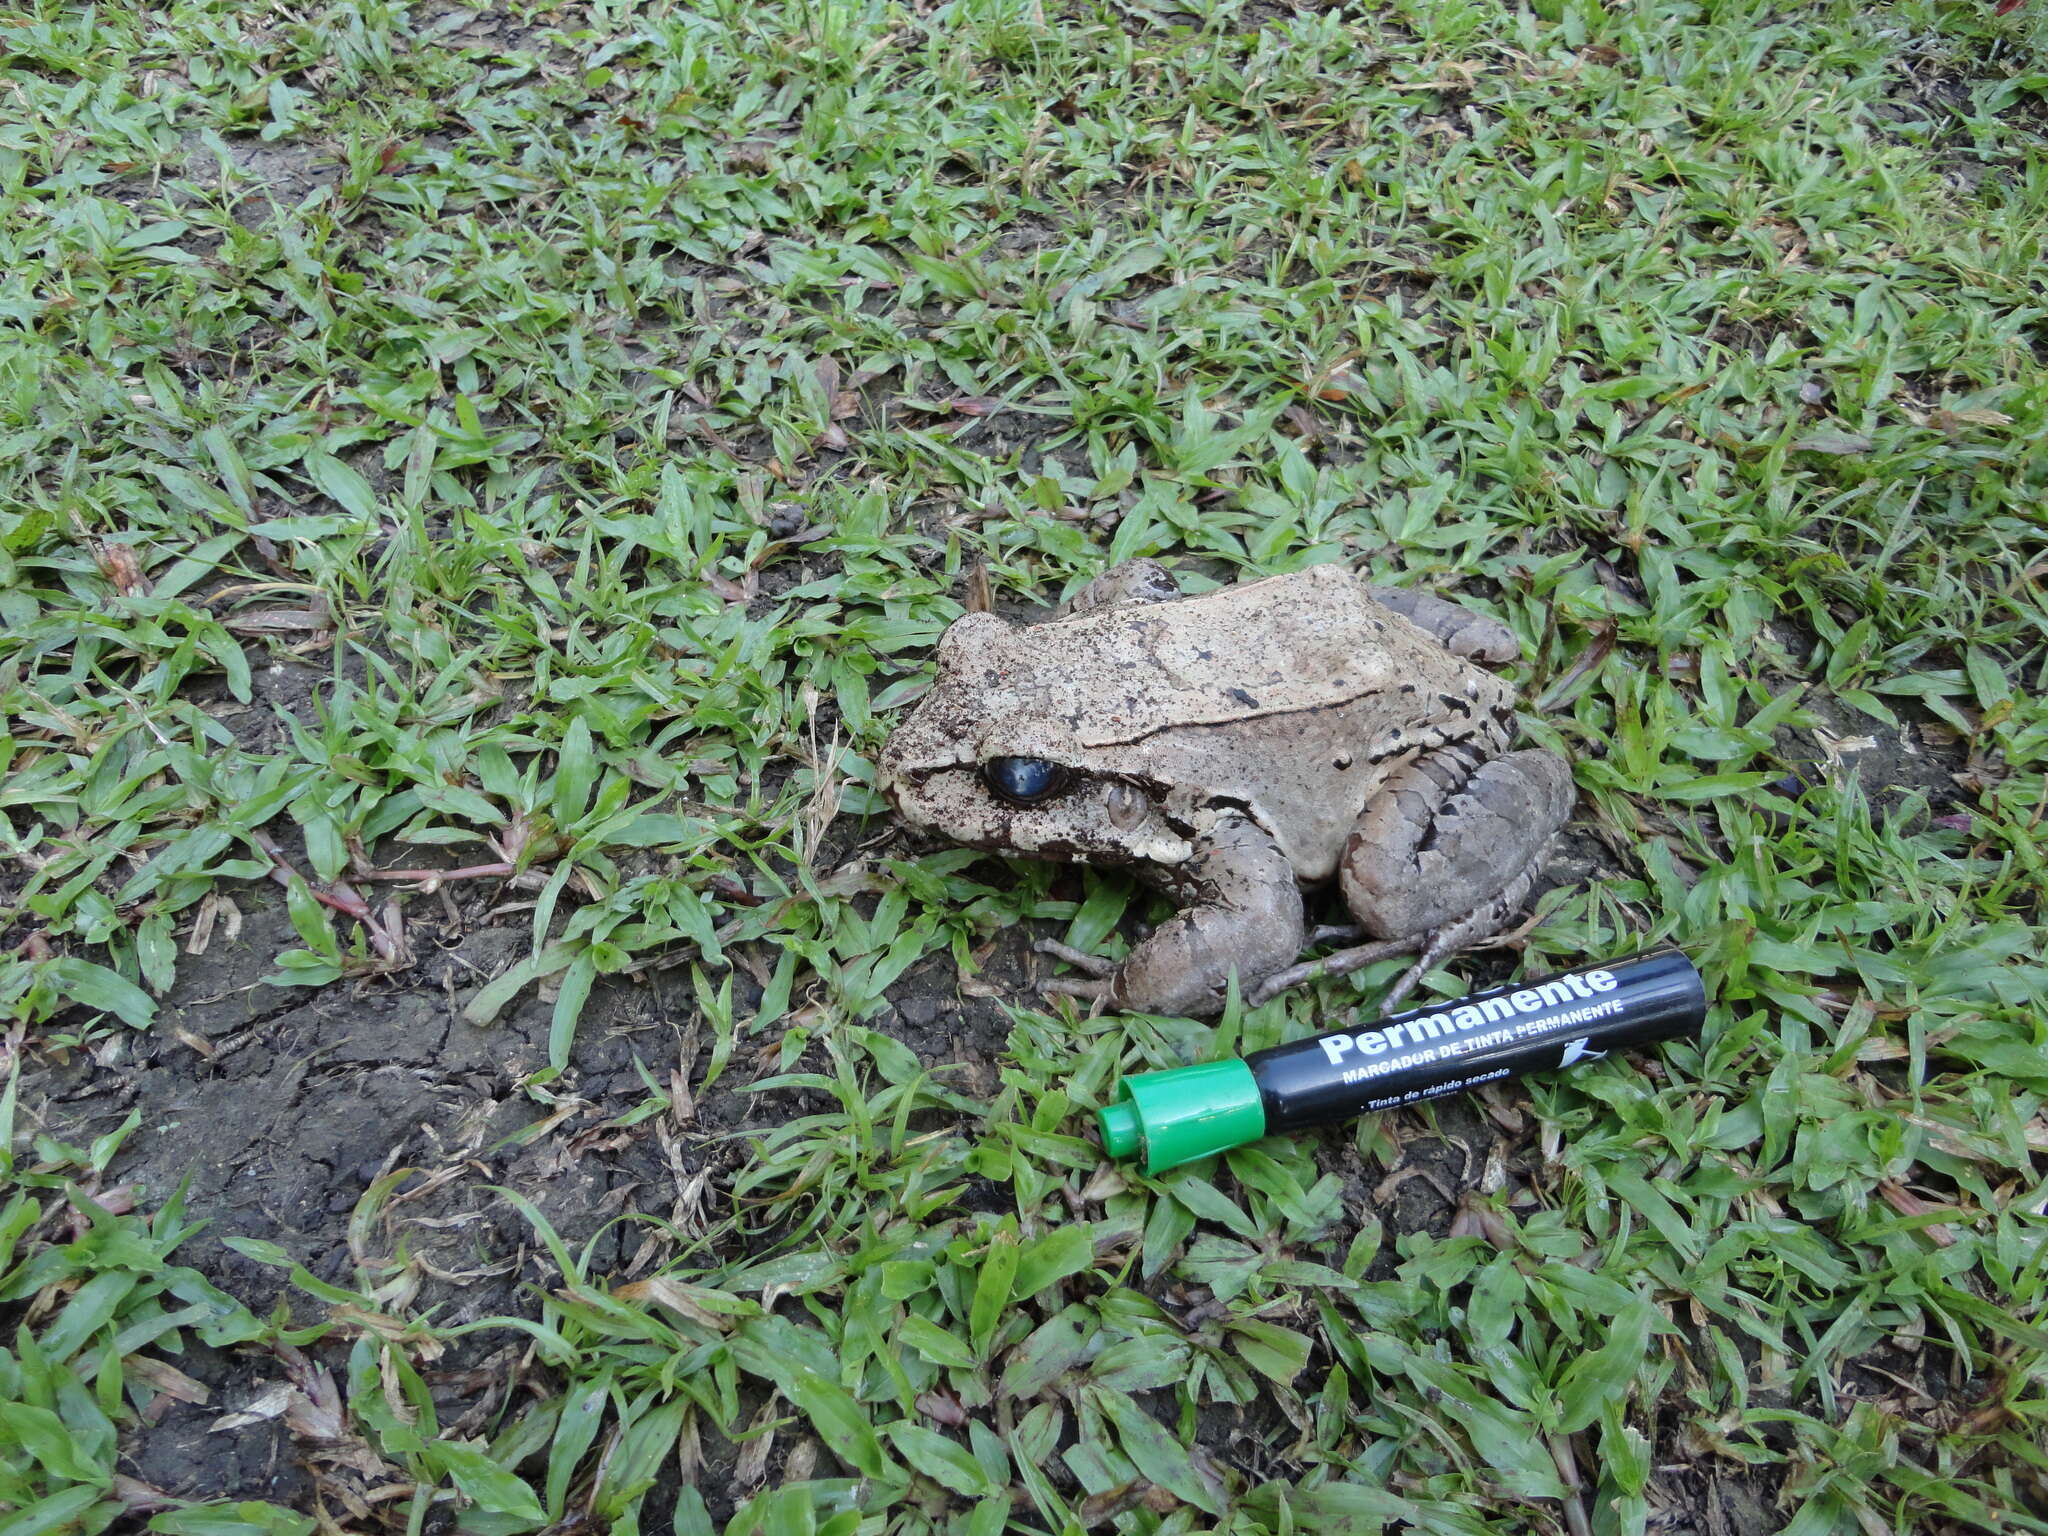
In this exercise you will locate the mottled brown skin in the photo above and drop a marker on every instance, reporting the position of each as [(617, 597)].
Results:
[(1236, 747)]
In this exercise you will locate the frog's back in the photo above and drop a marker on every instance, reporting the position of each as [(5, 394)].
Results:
[(1310, 640)]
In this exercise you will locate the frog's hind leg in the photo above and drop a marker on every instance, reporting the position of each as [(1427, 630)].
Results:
[(1441, 857), (1458, 630)]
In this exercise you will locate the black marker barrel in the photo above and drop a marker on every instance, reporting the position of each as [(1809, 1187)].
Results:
[(1564, 1020)]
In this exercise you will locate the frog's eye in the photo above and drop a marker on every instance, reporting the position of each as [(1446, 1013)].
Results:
[(1023, 780)]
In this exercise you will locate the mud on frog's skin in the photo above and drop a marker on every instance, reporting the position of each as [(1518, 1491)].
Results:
[(1236, 747)]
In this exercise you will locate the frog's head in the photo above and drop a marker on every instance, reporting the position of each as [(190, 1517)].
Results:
[(987, 759)]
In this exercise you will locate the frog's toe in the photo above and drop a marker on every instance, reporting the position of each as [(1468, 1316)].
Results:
[(1341, 963), (1484, 927), (1079, 959)]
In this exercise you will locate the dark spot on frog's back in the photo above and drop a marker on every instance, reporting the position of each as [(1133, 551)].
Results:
[(1244, 698), (1452, 701)]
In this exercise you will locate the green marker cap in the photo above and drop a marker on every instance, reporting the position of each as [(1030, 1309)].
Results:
[(1175, 1117)]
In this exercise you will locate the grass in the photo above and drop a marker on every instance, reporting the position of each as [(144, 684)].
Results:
[(612, 402)]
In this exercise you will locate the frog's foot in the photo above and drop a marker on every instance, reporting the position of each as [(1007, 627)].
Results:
[(1476, 930), (1440, 859), (1342, 963)]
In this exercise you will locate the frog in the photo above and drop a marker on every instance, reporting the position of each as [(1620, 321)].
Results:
[(1241, 748)]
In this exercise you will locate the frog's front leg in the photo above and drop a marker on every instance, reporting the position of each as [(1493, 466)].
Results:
[(1243, 914), (1441, 856)]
